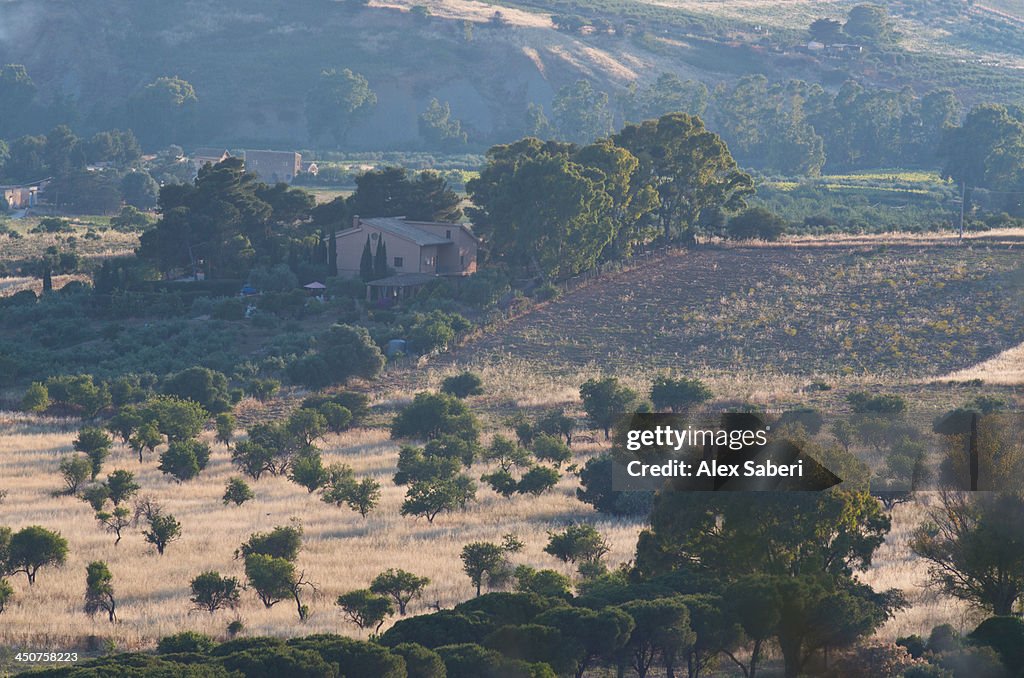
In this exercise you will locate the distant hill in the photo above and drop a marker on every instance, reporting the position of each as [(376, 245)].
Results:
[(253, 61)]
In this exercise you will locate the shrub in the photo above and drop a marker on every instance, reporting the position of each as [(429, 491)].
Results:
[(163, 529), (36, 398), (207, 387), (437, 629), (186, 641), (237, 492), (284, 541), (420, 662), (756, 222), (537, 480), (1005, 635), (432, 415), (366, 609), (75, 470), (184, 459), (264, 389), (596, 490), (604, 400), (354, 657), (865, 403), (122, 486), (678, 395), (547, 292), (338, 418), (212, 592), (95, 443), (547, 447), (95, 495), (462, 385)]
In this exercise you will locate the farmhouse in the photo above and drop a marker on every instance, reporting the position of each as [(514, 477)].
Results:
[(20, 197), (202, 156), (274, 166), (417, 250)]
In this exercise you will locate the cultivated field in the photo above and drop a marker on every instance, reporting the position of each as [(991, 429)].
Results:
[(908, 307)]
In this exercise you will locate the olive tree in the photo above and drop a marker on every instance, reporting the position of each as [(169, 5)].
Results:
[(400, 585), (366, 609), (33, 548), (212, 592)]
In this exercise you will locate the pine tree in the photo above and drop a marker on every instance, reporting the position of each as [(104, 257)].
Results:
[(332, 255), (380, 261), (366, 262)]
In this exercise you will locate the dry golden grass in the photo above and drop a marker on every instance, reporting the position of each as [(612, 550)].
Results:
[(342, 551), (1006, 369), (896, 567)]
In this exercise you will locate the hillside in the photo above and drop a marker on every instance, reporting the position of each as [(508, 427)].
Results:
[(854, 307), (252, 63)]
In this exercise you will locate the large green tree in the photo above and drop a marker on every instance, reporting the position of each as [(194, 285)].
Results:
[(17, 93), (163, 112), (987, 151), (336, 103), (581, 113), (393, 191), (540, 209), (689, 166)]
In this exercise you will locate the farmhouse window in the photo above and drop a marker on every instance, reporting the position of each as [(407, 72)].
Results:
[(398, 262)]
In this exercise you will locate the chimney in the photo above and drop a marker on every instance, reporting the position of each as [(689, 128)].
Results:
[(355, 221)]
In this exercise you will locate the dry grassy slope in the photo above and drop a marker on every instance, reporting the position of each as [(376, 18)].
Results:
[(342, 551), (846, 309)]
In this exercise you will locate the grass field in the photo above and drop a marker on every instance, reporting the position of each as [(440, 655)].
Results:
[(342, 550)]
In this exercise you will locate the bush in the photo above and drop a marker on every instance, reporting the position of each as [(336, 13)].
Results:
[(678, 395), (277, 662), (439, 628), (186, 641), (207, 387), (596, 490), (547, 447), (36, 398), (462, 385), (184, 459), (865, 403), (1005, 635), (354, 657), (756, 223), (537, 481), (237, 492), (338, 418), (229, 309), (431, 415), (356, 403), (420, 662)]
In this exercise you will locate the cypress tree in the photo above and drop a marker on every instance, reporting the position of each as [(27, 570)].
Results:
[(332, 255), (366, 262), (380, 261)]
